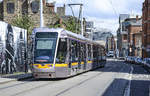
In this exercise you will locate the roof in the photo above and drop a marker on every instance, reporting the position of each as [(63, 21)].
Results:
[(64, 33), (132, 22)]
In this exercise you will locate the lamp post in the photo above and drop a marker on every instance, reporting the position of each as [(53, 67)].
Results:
[(41, 14)]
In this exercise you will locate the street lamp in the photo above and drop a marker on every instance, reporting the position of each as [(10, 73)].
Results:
[(41, 14)]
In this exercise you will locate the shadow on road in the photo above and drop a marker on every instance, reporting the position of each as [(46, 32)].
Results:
[(122, 67), (118, 86)]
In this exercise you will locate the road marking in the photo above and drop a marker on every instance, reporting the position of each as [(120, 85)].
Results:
[(127, 90), (149, 90)]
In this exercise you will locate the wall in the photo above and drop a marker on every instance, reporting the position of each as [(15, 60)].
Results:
[(24, 7), (134, 30), (13, 48), (146, 29)]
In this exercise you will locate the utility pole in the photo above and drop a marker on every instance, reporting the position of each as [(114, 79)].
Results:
[(41, 14), (80, 15)]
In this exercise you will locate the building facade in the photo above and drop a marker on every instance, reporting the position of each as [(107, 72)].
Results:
[(12, 9), (122, 41), (89, 29), (134, 28), (146, 29), (129, 36)]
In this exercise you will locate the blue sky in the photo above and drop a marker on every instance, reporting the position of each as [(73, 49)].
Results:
[(105, 13)]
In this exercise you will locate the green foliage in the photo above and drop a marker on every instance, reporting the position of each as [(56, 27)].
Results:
[(55, 26), (24, 22), (71, 25)]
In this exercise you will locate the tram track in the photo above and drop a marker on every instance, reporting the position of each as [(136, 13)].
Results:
[(54, 82), (13, 85), (109, 69), (66, 90)]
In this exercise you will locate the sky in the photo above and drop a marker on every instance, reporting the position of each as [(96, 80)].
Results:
[(105, 13)]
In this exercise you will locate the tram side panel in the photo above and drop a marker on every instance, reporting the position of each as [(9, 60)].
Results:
[(95, 57), (62, 60), (89, 57)]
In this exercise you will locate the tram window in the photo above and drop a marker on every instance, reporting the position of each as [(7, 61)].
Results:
[(95, 52), (46, 35), (89, 52), (62, 51), (44, 44), (74, 48), (44, 50), (82, 52)]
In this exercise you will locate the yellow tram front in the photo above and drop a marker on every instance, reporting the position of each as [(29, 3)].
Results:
[(44, 53), (58, 53)]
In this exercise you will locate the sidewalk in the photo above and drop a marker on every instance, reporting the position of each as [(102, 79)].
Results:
[(14, 77)]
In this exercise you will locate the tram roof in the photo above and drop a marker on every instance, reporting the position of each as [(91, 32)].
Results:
[(63, 33)]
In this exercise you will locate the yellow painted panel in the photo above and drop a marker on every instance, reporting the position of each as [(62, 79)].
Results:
[(82, 62), (89, 61), (75, 63), (43, 67), (61, 65)]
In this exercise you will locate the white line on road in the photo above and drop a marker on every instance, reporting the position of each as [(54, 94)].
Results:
[(149, 90), (127, 90)]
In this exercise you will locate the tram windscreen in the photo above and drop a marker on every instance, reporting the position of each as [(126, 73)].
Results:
[(45, 45)]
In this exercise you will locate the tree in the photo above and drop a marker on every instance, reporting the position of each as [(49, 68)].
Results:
[(70, 24), (24, 22)]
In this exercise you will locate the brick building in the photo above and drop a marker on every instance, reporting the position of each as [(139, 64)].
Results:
[(146, 28), (134, 28), (129, 35), (15, 8)]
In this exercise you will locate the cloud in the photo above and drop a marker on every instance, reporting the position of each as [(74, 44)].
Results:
[(105, 13), (111, 24)]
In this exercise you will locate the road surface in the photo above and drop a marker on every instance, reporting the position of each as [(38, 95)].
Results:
[(117, 78)]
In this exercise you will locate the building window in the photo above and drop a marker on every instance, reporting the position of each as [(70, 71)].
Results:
[(35, 6), (125, 37), (25, 7), (10, 8)]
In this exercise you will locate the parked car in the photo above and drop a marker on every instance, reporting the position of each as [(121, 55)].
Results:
[(146, 62), (110, 54), (138, 60), (133, 59), (128, 58)]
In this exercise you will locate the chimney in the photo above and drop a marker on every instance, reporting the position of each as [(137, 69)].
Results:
[(51, 6), (44, 2)]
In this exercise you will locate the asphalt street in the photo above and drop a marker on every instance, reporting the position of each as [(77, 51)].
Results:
[(112, 80)]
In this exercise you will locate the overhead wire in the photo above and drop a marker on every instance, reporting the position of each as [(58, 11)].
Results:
[(115, 12)]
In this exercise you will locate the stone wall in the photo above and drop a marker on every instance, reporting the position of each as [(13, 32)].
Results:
[(1, 11), (24, 7), (8, 17), (61, 11)]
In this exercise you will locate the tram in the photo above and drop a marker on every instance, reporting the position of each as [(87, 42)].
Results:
[(58, 53)]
